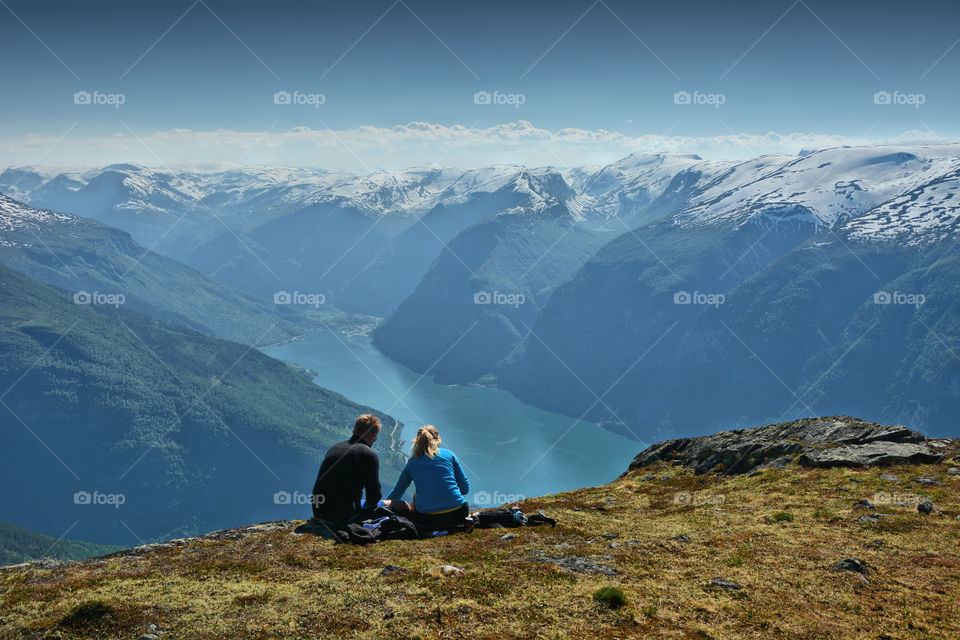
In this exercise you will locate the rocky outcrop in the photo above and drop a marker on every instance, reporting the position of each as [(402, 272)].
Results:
[(835, 441), (870, 454)]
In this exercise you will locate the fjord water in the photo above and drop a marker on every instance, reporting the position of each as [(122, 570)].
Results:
[(508, 449)]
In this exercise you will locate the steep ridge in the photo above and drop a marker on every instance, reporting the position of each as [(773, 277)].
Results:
[(91, 259), (473, 306), (397, 268), (765, 297), (19, 545), (110, 417)]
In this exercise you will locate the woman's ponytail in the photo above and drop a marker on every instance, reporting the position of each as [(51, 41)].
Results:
[(427, 442)]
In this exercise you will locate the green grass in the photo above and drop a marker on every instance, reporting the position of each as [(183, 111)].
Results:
[(277, 585), (610, 597)]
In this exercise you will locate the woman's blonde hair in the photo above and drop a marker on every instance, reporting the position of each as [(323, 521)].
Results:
[(427, 442)]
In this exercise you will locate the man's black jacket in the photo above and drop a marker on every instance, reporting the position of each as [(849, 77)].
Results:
[(347, 470)]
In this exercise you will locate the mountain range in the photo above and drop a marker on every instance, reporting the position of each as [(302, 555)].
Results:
[(656, 293)]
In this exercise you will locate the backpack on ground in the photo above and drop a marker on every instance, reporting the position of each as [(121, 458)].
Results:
[(503, 517), (385, 525)]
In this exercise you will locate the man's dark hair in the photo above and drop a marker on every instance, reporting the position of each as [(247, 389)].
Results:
[(366, 426)]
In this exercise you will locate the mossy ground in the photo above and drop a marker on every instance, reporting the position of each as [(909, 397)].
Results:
[(279, 585)]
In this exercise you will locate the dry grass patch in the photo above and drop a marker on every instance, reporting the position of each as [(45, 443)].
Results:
[(278, 585)]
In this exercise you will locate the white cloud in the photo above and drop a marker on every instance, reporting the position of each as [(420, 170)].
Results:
[(415, 143)]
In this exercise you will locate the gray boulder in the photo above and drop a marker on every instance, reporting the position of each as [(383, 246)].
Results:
[(391, 569), (871, 454), (850, 564), (821, 442), (723, 583), (578, 564)]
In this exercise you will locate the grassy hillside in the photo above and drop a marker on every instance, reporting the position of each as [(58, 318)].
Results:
[(21, 545), (661, 535), (797, 332), (315, 249), (196, 433), (82, 255), (512, 260)]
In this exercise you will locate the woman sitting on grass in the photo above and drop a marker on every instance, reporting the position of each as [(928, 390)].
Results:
[(439, 482)]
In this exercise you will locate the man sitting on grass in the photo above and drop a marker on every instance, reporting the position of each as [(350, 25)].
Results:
[(350, 469)]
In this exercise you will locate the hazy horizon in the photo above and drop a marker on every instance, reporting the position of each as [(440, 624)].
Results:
[(400, 84)]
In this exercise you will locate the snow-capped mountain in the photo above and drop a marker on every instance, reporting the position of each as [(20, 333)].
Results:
[(929, 212), (636, 179), (137, 188), (823, 189), (174, 209), (16, 216), (880, 192)]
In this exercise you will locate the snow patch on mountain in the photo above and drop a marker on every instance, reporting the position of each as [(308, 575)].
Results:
[(631, 183), (824, 188), (927, 213), (880, 191), (17, 217)]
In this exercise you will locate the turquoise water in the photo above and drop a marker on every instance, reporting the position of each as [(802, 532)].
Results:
[(508, 449)]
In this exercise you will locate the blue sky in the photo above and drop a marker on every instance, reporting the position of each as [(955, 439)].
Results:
[(595, 80)]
